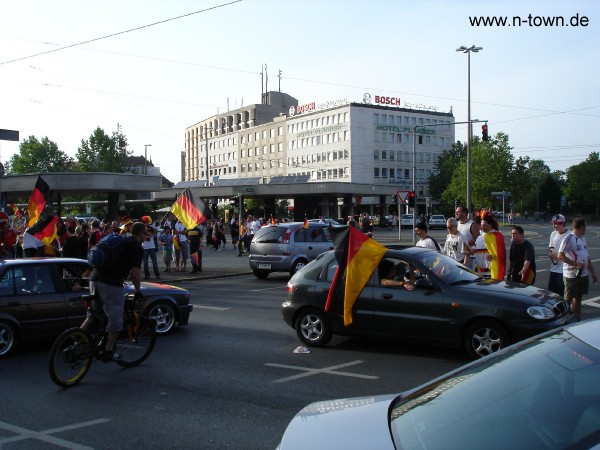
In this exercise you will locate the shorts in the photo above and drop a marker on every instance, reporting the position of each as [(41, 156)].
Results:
[(576, 287), (112, 301), (556, 283), (184, 250)]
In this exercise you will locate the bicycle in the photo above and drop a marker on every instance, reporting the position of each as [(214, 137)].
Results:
[(74, 350)]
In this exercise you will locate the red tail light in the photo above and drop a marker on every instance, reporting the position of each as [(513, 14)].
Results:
[(286, 236), (290, 288)]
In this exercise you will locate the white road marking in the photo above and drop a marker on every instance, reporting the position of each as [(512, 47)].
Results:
[(212, 308), (23, 434), (591, 302), (330, 370), (283, 288)]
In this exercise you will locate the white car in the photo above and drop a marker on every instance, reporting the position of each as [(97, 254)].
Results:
[(406, 220), (437, 221)]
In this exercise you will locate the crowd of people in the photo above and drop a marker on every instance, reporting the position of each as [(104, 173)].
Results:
[(479, 244)]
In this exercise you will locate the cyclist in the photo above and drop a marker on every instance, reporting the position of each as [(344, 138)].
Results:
[(107, 285)]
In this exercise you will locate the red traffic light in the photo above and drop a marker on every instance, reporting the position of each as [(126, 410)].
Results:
[(484, 132)]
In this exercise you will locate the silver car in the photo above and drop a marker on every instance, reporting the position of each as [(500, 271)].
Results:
[(287, 247)]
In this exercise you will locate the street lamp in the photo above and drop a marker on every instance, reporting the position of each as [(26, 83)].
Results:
[(146, 158), (468, 51)]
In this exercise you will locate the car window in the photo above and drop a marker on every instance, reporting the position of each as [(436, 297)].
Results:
[(270, 235), (447, 269), (7, 283), (299, 235), (35, 281), (331, 269), (384, 270), (316, 234), (75, 277)]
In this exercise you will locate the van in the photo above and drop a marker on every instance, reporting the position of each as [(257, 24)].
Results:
[(287, 247)]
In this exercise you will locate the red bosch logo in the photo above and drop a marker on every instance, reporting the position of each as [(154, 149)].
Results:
[(382, 100)]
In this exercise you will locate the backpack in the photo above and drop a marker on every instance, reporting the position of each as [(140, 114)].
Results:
[(106, 253)]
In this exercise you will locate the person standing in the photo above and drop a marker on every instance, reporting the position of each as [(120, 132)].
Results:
[(70, 248), (166, 240), (8, 238), (150, 246), (577, 265), (468, 228), (234, 228), (184, 249), (425, 240), (195, 238), (494, 243), (482, 256), (556, 283), (456, 245), (521, 267)]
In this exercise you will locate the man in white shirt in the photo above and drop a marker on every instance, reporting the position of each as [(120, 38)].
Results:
[(555, 282), (425, 240), (181, 232), (469, 229), (456, 245)]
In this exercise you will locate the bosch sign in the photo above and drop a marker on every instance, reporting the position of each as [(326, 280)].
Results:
[(381, 100), (303, 108)]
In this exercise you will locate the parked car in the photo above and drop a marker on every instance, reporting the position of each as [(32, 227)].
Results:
[(450, 305), (437, 221), (406, 220), (540, 393), (287, 247), (326, 220), (39, 300)]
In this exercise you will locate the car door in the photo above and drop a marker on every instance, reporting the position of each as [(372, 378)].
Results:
[(33, 300), (413, 314), (74, 280), (318, 240)]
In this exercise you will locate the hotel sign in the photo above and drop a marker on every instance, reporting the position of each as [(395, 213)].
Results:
[(404, 129)]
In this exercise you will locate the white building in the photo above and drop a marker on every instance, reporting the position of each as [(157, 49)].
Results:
[(342, 141)]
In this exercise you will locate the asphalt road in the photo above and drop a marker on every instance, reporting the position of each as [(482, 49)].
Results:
[(230, 379)]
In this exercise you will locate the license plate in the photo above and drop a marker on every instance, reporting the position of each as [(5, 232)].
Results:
[(264, 266)]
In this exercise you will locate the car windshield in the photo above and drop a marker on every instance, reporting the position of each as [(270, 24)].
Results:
[(544, 395), (270, 235), (447, 269)]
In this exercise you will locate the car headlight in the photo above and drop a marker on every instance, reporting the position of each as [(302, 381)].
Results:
[(540, 312)]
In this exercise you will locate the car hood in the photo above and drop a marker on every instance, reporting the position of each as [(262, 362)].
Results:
[(498, 288), (352, 423)]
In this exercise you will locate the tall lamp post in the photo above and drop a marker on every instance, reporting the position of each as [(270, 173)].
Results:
[(146, 158), (468, 51)]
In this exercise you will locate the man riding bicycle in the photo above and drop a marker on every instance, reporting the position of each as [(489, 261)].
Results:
[(107, 286)]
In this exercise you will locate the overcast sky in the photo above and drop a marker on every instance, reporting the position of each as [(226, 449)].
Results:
[(129, 64)]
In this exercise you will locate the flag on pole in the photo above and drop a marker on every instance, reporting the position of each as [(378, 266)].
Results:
[(494, 242), (189, 210), (358, 256), (273, 221), (37, 201), (305, 221)]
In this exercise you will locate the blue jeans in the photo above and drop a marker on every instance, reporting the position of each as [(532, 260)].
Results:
[(152, 253)]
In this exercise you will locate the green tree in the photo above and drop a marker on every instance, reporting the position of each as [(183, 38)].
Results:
[(446, 165), (103, 153), (39, 157), (491, 168), (583, 185)]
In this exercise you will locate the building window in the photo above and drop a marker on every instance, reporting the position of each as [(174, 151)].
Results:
[(376, 155), (392, 155), (376, 172), (420, 141), (391, 173), (384, 155), (384, 172)]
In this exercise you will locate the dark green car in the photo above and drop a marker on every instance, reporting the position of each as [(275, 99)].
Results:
[(39, 298), (450, 305)]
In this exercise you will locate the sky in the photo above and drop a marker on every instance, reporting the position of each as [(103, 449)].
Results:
[(155, 67)]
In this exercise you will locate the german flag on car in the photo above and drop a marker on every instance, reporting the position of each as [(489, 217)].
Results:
[(358, 256)]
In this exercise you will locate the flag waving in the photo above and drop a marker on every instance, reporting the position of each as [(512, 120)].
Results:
[(191, 211), (45, 229), (358, 256), (37, 201)]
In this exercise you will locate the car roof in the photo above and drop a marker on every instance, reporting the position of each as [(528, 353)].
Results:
[(40, 260)]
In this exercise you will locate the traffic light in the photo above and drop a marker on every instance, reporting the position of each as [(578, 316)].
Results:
[(484, 132), (410, 200)]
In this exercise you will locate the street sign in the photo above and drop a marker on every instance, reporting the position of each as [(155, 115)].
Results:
[(502, 194), (402, 195)]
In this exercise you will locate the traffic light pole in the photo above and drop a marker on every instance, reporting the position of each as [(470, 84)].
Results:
[(414, 161)]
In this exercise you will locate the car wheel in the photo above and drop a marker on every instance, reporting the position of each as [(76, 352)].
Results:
[(7, 338), (485, 337), (260, 274), (313, 328), (298, 265), (163, 315)]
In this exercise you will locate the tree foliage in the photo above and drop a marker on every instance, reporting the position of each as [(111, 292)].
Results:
[(39, 157), (103, 153), (583, 189)]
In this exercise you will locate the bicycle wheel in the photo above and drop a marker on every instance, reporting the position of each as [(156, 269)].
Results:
[(136, 343), (70, 357)]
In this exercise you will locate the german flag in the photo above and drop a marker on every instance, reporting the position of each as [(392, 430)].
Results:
[(37, 201), (305, 222), (494, 242), (273, 221), (358, 256), (528, 275), (46, 230), (192, 212)]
